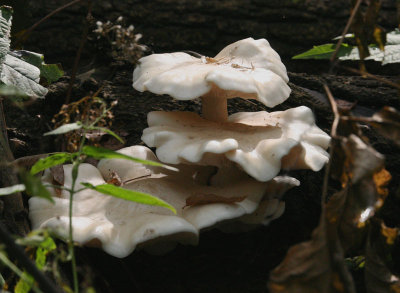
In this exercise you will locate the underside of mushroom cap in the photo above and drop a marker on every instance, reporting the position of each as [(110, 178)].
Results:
[(117, 224), (257, 142), (249, 69), (120, 226)]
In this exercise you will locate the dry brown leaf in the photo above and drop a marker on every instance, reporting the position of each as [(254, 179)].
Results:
[(318, 265), (28, 161), (365, 28), (310, 267), (378, 275), (387, 122), (115, 179), (57, 172), (202, 199)]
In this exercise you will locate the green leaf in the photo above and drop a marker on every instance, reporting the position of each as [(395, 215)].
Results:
[(65, 128), (50, 72), (5, 28), (13, 93), (34, 186), (22, 75), (24, 284), (44, 244), (50, 161), (390, 54), (324, 52), (106, 130), (102, 153), (14, 71), (130, 195), (44, 248), (12, 189)]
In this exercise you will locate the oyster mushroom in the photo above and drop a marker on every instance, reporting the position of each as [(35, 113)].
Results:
[(261, 143), (119, 226), (249, 69)]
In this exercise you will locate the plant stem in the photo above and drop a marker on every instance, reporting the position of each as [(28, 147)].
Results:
[(75, 170)]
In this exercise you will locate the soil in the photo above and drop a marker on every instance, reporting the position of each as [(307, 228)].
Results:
[(221, 262)]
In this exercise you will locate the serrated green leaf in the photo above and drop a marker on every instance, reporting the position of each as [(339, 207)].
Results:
[(65, 128), (130, 195), (22, 75), (324, 52), (14, 71), (34, 186), (12, 189), (50, 72), (50, 161), (5, 28), (102, 153)]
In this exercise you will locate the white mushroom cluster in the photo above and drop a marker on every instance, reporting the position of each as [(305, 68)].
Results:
[(228, 165)]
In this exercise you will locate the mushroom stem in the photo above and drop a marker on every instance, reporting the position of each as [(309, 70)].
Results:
[(214, 108)]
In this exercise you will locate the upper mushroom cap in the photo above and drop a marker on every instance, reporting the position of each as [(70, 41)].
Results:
[(120, 225), (249, 69)]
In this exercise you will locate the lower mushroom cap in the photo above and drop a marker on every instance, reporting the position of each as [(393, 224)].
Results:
[(257, 141), (121, 226)]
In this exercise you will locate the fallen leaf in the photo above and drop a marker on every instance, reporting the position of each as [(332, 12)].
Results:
[(58, 174), (114, 179), (387, 122), (202, 198), (319, 265), (309, 267), (378, 260)]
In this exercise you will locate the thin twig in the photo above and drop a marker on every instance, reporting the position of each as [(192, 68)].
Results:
[(331, 150), (346, 29), (79, 52), (378, 78), (29, 30), (334, 110)]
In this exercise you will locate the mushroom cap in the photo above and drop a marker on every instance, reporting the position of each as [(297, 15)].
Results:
[(259, 142), (117, 224), (249, 69), (120, 226)]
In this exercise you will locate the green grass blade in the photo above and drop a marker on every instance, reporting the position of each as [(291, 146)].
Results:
[(324, 52), (65, 128), (130, 195), (50, 161), (102, 153)]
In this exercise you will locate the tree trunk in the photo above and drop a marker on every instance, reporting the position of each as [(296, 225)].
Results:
[(203, 26)]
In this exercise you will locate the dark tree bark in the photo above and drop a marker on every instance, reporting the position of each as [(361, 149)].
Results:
[(204, 26)]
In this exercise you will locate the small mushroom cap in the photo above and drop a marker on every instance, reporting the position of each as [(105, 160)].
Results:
[(120, 226), (249, 69), (260, 142)]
